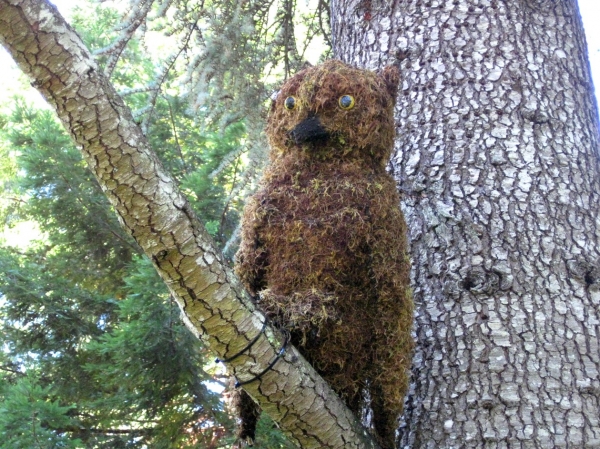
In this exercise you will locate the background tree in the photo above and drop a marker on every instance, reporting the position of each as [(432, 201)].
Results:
[(87, 320), (499, 174)]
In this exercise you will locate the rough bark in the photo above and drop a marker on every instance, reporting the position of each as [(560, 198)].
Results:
[(497, 159), (214, 306)]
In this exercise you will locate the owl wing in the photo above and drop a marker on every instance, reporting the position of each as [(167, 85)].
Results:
[(392, 343), (251, 258)]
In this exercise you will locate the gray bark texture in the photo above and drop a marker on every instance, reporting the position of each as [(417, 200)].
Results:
[(497, 161), (214, 305)]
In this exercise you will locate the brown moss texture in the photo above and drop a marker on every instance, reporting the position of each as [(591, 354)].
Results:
[(324, 240)]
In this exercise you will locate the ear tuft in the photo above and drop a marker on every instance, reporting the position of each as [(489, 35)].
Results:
[(391, 77)]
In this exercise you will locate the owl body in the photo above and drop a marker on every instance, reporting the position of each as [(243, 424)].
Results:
[(324, 241)]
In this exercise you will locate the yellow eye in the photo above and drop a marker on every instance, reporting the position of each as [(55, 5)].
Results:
[(346, 102), (289, 103)]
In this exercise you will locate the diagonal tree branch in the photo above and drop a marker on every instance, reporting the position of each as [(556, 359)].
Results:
[(214, 305)]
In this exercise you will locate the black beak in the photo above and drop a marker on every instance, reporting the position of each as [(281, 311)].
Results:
[(309, 130)]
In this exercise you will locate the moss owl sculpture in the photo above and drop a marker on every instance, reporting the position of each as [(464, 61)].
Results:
[(324, 241)]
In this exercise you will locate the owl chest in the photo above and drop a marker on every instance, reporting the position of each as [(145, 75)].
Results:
[(319, 214), (315, 234)]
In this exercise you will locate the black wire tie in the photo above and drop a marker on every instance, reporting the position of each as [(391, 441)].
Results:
[(247, 348), (267, 369)]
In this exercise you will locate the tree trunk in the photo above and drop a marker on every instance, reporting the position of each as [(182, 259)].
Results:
[(497, 160), (214, 306)]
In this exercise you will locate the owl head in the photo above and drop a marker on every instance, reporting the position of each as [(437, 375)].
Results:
[(334, 111)]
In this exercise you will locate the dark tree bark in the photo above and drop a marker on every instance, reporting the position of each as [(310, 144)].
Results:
[(214, 305), (497, 160)]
